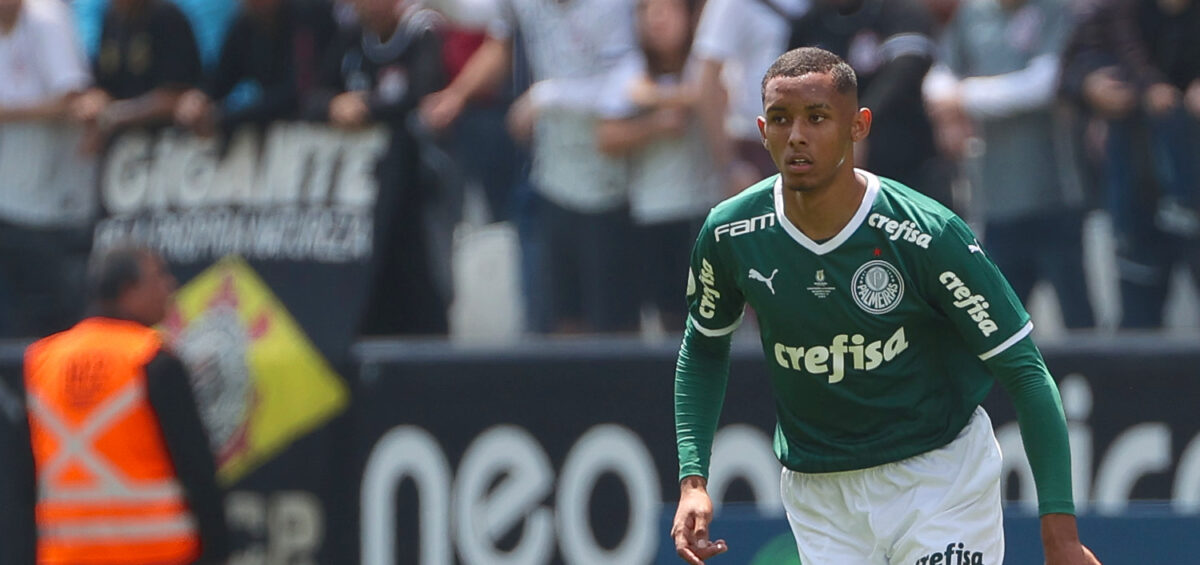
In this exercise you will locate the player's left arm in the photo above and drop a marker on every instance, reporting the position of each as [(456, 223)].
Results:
[(971, 291)]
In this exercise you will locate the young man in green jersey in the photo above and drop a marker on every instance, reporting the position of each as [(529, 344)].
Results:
[(884, 325)]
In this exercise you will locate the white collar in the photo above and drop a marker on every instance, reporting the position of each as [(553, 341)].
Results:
[(832, 243)]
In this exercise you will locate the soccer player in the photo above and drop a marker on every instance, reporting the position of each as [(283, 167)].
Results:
[(883, 323)]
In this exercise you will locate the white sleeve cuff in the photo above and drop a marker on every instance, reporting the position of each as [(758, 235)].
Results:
[(720, 332), (1021, 333)]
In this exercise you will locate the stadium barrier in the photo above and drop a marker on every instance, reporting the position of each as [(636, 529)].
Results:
[(562, 451)]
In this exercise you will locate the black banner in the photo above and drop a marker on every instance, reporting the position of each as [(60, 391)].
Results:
[(550, 452), (563, 452), (294, 201), (271, 235)]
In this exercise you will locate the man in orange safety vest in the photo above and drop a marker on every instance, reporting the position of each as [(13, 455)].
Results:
[(123, 470)]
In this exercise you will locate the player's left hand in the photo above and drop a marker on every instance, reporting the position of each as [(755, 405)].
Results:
[(1060, 540), (1077, 555), (690, 528)]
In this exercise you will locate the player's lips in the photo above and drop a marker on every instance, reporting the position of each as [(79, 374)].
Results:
[(798, 164)]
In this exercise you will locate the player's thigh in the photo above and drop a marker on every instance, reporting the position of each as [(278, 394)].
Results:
[(829, 526), (969, 535), (956, 516)]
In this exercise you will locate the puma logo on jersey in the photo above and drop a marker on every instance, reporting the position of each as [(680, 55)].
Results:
[(755, 275), (974, 247), (831, 359)]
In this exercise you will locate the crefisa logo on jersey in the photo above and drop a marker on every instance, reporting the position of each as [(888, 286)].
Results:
[(877, 287)]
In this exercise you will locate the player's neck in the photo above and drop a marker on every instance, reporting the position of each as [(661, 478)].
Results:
[(822, 213)]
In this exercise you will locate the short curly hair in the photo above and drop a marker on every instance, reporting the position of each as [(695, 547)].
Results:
[(805, 60)]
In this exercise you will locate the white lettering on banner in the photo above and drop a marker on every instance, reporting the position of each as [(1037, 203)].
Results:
[(608, 448), (482, 514), (1139, 451), (309, 197), (311, 234), (405, 452), (510, 454), (300, 164), (286, 527)]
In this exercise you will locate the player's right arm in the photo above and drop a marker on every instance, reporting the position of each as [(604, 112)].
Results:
[(715, 305)]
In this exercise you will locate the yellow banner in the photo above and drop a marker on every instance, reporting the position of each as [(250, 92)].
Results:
[(260, 383)]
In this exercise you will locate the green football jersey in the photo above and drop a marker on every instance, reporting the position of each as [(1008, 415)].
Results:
[(875, 339)]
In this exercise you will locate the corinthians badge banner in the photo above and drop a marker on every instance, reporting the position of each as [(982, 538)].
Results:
[(271, 238)]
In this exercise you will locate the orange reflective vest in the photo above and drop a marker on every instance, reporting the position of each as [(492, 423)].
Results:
[(107, 492)]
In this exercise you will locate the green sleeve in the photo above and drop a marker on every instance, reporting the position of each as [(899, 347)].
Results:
[(700, 378), (1022, 372)]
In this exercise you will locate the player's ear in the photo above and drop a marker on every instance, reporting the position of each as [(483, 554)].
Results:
[(762, 129), (861, 126)]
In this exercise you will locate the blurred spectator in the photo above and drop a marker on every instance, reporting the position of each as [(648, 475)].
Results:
[(209, 20), (45, 188), (117, 465), (889, 45), (269, 63), (147, 60), (576, 231), (737, 40), (1136, 65), (377, 73), (1000, 72), (649, 110), (497, 170)]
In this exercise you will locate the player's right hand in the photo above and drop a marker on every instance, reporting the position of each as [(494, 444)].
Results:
[(690, 529)]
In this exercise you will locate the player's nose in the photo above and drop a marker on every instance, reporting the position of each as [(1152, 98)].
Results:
[(797, 136)]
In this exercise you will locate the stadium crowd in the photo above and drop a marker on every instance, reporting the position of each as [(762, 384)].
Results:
[(604, 130)]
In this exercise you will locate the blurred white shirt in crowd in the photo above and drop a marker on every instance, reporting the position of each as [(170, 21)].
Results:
[(670, 178), (41, 57), (43, 180), (471, 14), (745, 36), (571, 46)]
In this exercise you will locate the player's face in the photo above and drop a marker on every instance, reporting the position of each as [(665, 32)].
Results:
[(810, 128), (663, 25)]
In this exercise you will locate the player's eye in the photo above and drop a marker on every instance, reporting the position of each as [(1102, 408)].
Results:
[(778, 119), (816, 118)]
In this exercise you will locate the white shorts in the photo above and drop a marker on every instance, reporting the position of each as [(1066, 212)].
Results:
[(941, 507)]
